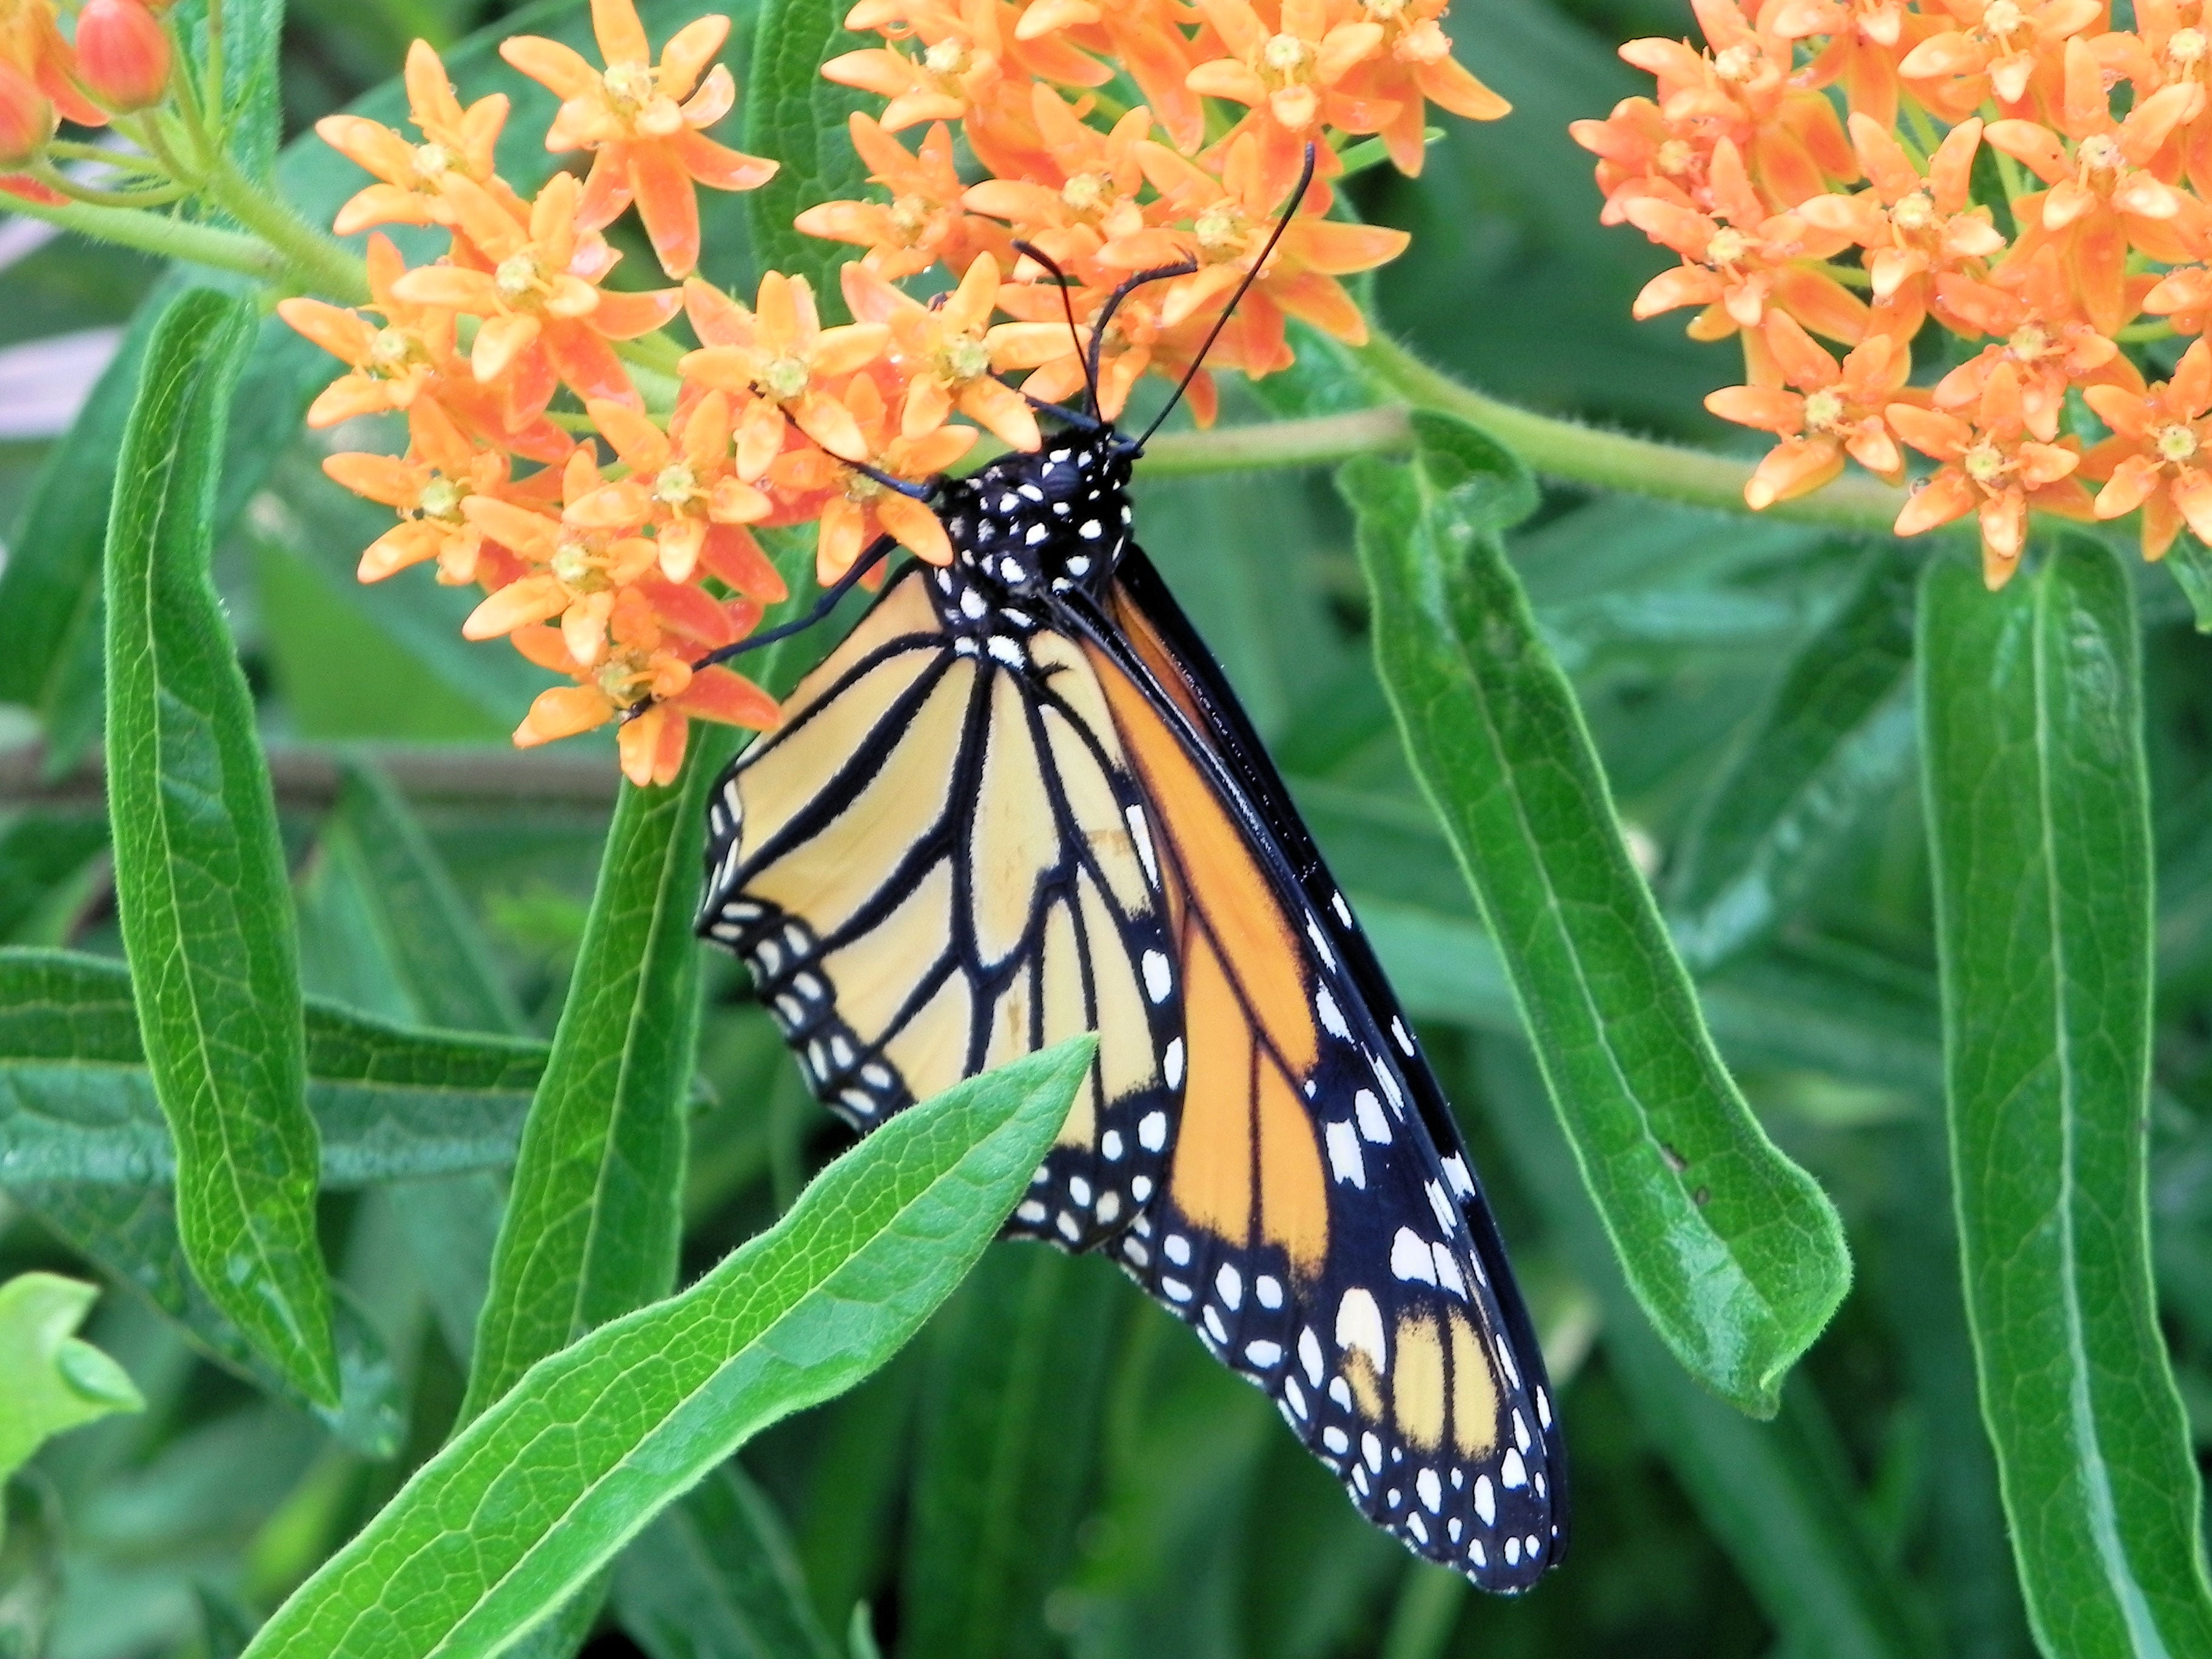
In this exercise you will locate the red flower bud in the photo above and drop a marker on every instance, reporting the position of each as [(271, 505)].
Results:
[(27, 116), (122, 54)]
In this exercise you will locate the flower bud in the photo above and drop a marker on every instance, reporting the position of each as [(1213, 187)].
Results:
[(27, 117), (122, 54)]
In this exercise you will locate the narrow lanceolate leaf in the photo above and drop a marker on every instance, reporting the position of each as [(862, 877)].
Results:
[(793, 115), (596, 1207), (49, 1381), (76, 1102), (199, 871), (1835, 741), (538, 1492), (2039, 828), (715, 1578), (1733, 1250)]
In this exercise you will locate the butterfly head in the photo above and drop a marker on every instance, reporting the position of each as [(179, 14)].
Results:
[(1049, 522)]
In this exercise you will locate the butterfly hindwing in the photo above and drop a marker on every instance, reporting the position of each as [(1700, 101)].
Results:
[(935, 865), (1314, 1227)]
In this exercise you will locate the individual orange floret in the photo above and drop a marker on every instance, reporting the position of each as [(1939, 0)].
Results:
[(778, 361), (1289, 77), (1138, 341), (2103, 199), (410, 178), (1835, 410), (682, 483), (923, 224), (1144, 41), (1641, 153), (2155, 459), (574, 569), (967, 53), (855, 508), (1413, 68), (1743, 92), (644, 124), (30, 44), (2171, 47), (1914, 229), (427, 487), (1992, 467), (1865, 40), (542, 294), (655, 630), (1086, 192), (1739, 260), (2041, 333), (1230, 220), (2001, 48), (951, 355)]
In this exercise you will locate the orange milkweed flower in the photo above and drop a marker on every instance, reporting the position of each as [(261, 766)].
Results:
[(1992, 467), (1142, 40), (644, 123), (777, 358), (30, 44), (1835, 410), (682, 483), (2155, 459), (542, 294), (410, 178), (574, 569), (1739, 259), (1641, 153), (2103, 199), (1415, 68), (1099, 174), (1914, 229), (856, 508), (427, 488), (2171, 47), (2000, 48), (1866, 39), (1289, 77), (952, 356), (923, 224)]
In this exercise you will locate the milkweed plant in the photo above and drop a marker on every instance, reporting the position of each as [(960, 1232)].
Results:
[(1752, 749)]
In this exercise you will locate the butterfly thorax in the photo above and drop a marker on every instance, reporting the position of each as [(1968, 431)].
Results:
[(1033, 525)]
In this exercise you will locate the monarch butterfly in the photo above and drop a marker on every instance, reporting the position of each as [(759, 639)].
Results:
[(1019, 802)]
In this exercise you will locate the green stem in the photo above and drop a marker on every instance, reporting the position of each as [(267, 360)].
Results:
[(315, 260), (158, 234), (1612, 460), (1278, 443)]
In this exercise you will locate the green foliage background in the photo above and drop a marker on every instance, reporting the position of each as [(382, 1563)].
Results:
[(1053, 1465)]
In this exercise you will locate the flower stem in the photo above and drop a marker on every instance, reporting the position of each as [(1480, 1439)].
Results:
[(1612, 460), (1278, 443), (315, 260), (160, 234)]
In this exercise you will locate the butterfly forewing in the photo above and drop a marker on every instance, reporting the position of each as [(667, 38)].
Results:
[(935, 865)]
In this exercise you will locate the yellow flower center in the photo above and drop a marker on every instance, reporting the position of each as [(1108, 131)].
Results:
[(1383, 11), (1986, 463), (966, 359), (432, 163), (2186, 47), (519, 275), (947, 58), (1287, 55), (2001, 17), (2176, 442), (1220, 231), (1676, 157), (1738, 63), (1083, 192), (1916, 212), (441, 499), (1823, 410), (909, 216), (2100, 153), (677, 485), (787, 376), (622, 679), (390, 351), (1728, 245), (574, 566), (860, 487), (629, 85), (2029, 342)]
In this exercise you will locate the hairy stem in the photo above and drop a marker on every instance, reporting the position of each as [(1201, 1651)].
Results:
[(315, 260), (1278, 443), (160, 234)]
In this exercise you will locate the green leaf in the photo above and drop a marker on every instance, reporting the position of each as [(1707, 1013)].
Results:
[(31, 1534), (49, 1381), (200, 871), (1773, 1494), (1008, 1453), (391, 1102), (539, 1492), (2039, 826), (794, 115), (1735, 1252), (715, 1577), (42, 855), (2189, 562), (595, 1211), (131, 1232), (1836, 740)]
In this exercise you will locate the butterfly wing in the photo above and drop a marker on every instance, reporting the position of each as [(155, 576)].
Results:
[(936, 863), (1319, 1224)]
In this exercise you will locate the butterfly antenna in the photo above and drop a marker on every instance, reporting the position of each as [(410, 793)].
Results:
[(1113, 304), (880, 549), (1282, 224), (1030, 250)]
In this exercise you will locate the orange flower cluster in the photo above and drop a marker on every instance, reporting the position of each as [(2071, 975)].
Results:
[(2020, 170), (609, 517), (119, 64)]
